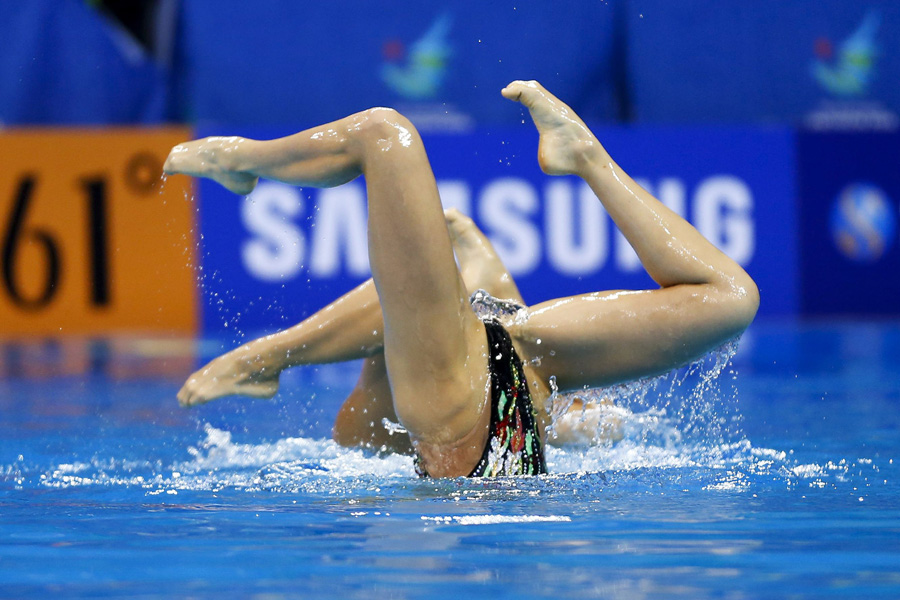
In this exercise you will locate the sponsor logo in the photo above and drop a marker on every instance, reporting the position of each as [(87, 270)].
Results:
[(419, 73), (847, 72), (561, 223), (863, 223)]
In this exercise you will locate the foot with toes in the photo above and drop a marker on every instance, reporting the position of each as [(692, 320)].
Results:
[(479, 264), (566, 143)]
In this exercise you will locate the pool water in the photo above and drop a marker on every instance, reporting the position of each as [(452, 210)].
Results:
[(776, 475)]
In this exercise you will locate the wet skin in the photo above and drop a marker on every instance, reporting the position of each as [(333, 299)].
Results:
[(435, 385)]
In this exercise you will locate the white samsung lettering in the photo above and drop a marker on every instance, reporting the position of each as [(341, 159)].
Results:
[(577, 230), (275, 253), (506, 208), (723, 213), (339, 229)]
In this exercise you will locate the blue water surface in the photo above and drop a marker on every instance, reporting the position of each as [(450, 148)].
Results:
[(773, 476)]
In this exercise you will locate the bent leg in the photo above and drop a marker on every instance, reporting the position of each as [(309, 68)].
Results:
[(434, 345), (360, 419), (597, 339), (349, 328), (479, 264)]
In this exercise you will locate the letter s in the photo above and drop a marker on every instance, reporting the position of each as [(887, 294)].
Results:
[(504, 209), (276, 253)]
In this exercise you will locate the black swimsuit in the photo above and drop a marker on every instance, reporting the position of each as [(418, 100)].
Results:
[(514, 445)]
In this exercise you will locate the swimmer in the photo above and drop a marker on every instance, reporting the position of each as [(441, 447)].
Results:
[(471, 395)]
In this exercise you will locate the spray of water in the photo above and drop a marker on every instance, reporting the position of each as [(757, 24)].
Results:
[(679, 427)]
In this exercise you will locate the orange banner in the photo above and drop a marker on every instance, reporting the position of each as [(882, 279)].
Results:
[(92, 240)]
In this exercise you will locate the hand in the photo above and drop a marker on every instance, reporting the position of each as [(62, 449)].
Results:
[(240, 372)]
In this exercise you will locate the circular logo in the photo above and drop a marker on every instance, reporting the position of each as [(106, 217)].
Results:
[(862, 222)]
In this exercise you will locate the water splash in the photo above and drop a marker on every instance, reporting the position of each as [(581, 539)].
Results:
[(650, 457), (693, 410), (678, 431), (508, 312)]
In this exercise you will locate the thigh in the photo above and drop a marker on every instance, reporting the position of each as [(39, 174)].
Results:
[(435, 347), (610, 337)]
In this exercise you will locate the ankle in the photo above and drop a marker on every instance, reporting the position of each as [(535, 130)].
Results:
[(589, 156), (226, 152)]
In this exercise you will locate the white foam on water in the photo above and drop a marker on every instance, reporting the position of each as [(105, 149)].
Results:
[(682, 426), (322, 467), (497, 519), (219, 451)]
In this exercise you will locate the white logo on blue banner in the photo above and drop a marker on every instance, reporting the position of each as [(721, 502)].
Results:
[(574, 236), (282, 252)]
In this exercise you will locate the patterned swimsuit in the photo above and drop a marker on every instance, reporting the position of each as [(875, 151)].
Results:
[(514, 446)]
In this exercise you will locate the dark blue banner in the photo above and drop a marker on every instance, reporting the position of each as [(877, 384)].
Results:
[(63, 63), (849, 201), (280, 62), (273, 257), (831, 65)]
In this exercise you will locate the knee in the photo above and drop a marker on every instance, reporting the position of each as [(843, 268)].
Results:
[(386, 128)]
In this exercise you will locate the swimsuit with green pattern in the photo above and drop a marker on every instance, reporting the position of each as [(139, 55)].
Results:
[(514, 446)]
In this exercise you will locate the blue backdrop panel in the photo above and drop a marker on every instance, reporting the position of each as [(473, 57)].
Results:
[(272, 258), (850, 196), (285, 62), (62, 63), (831, 63)]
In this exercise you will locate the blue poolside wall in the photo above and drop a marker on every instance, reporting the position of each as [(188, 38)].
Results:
[(63, 64)]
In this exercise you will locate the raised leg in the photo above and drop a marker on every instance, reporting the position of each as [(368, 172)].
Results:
[(347, 329), (597, 339), (360, 421), (435, 347), (479, 264)]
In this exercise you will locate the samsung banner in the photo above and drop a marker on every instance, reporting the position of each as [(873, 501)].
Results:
[(272, 258)]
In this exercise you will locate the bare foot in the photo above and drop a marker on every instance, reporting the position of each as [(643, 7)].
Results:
[(239, 372), (479, 264), (565, 139), (212, 158)]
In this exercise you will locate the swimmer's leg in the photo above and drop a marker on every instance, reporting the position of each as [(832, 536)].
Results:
[(479, 264), (349, 328), (597, 339), (361, 418), (435, 347)]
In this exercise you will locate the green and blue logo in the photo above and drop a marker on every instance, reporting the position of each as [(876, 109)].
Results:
[(420, 73), (847, 72)]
